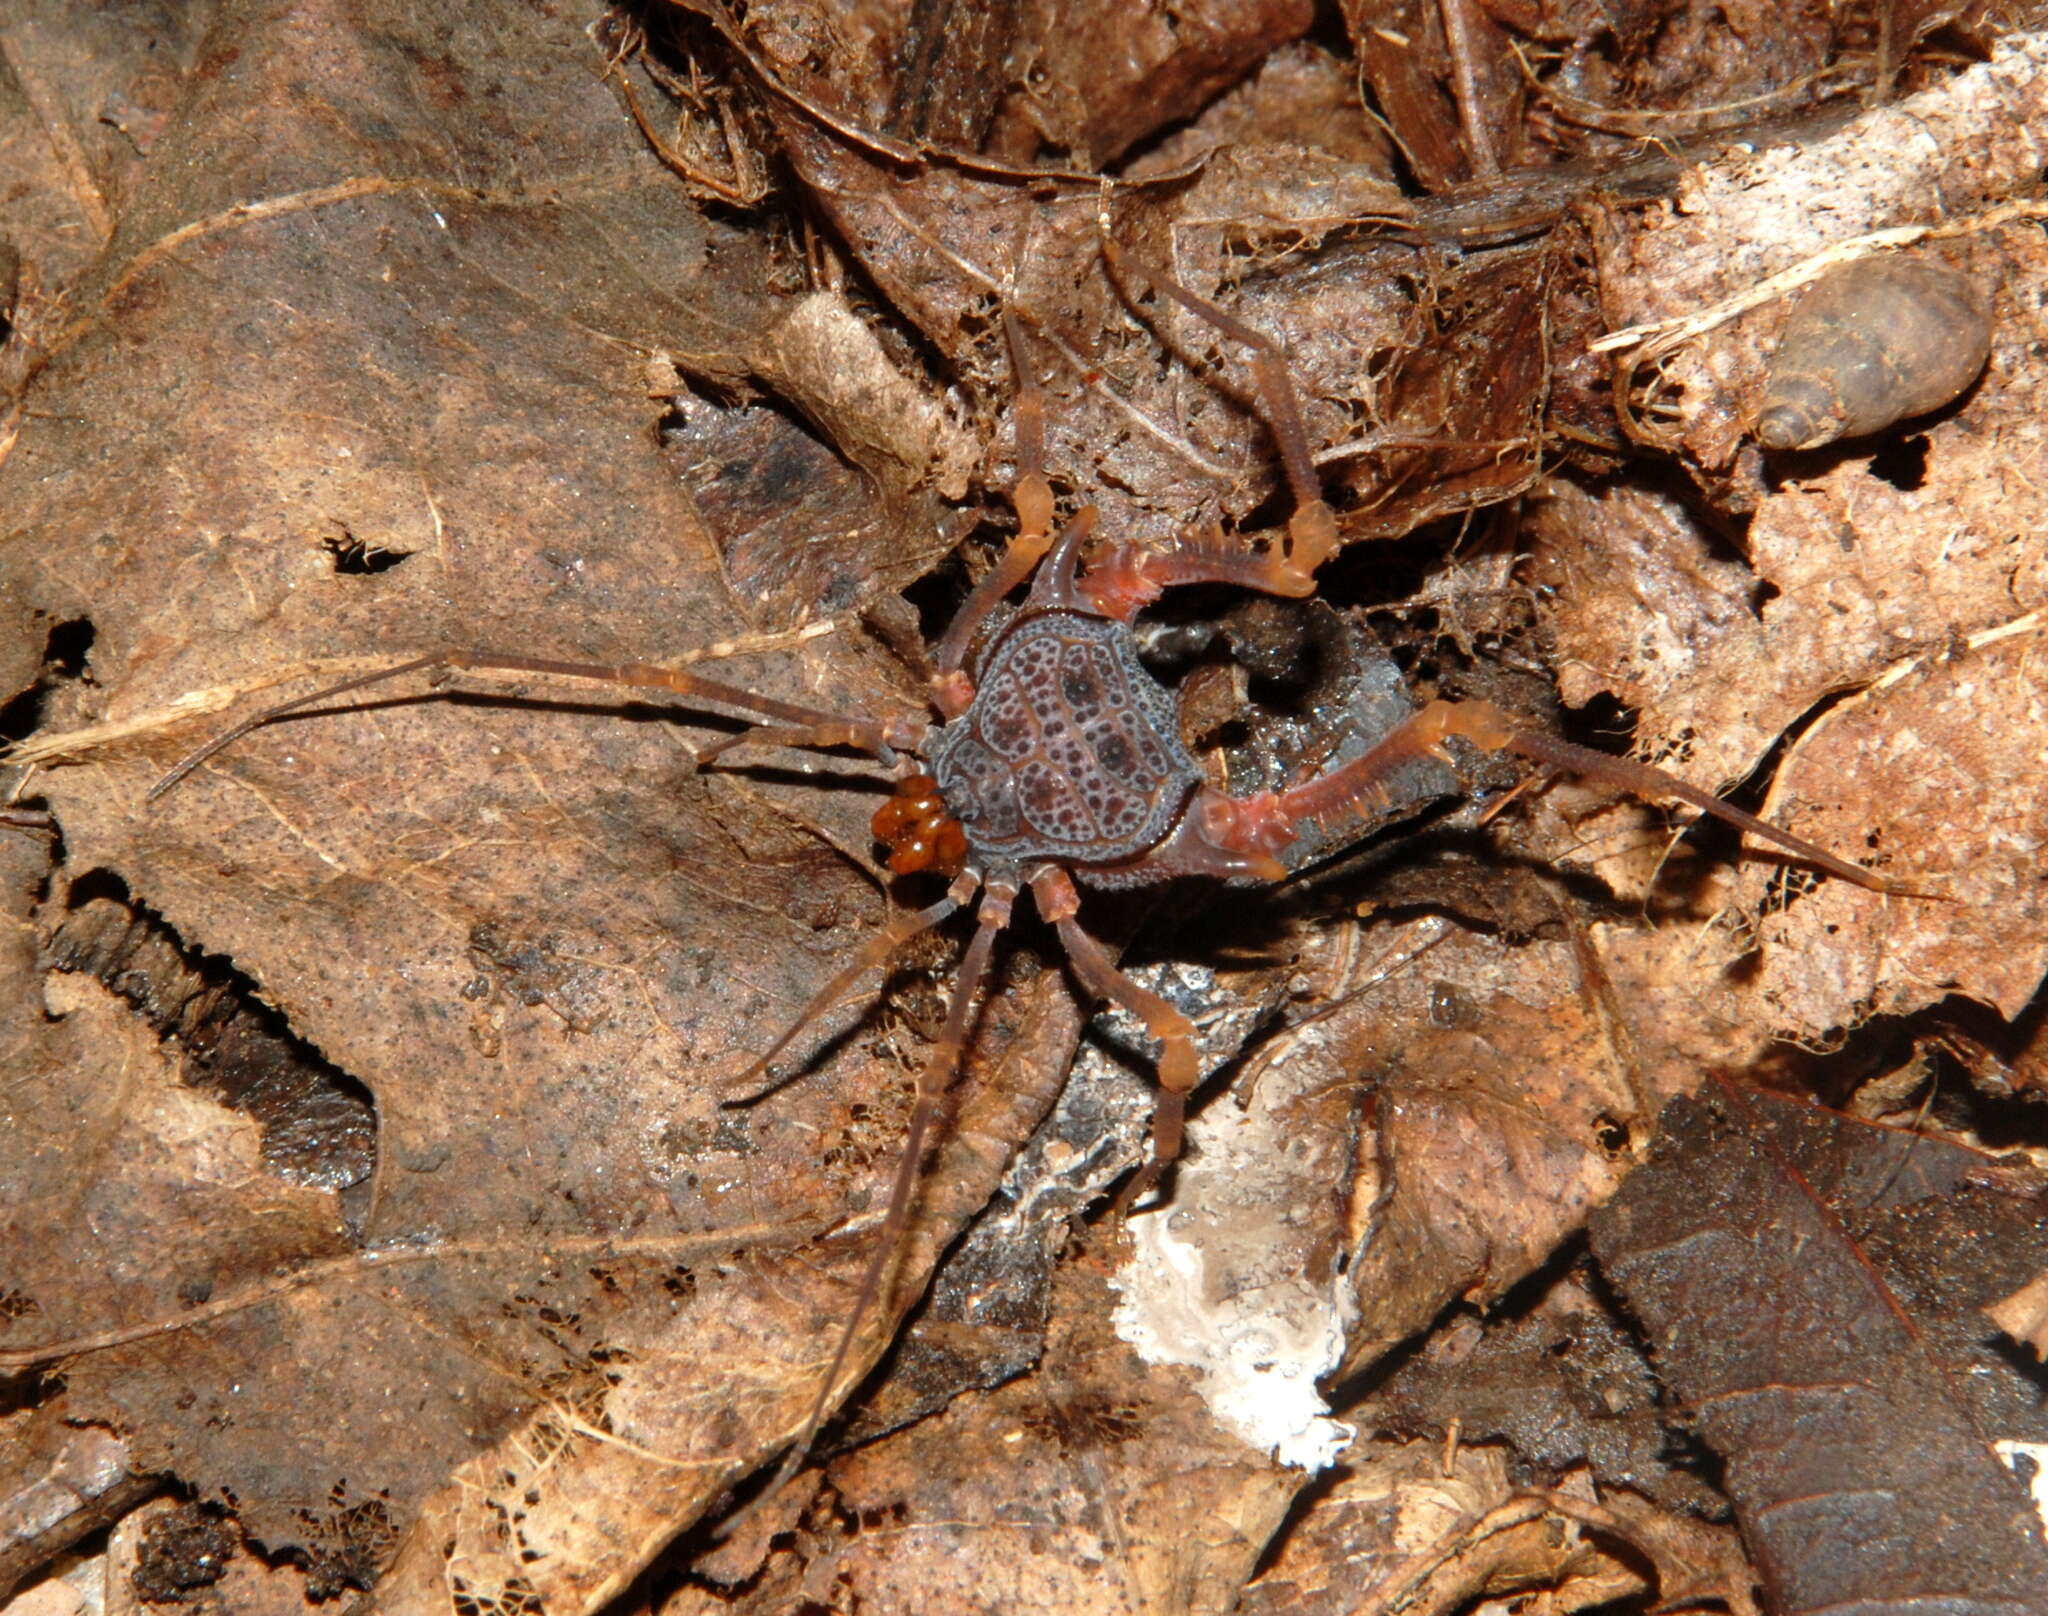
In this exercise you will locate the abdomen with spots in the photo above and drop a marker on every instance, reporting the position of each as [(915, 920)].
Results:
[(1069, 750)]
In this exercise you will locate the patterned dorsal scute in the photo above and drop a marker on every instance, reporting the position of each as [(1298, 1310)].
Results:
[(1069, 750)]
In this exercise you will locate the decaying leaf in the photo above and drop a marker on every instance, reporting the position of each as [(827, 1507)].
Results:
[(1421, 1528), (1564, 1388), (1860, 1470), (367, 1173)]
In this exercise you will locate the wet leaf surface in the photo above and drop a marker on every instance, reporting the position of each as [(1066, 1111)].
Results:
[(1853, 1457), (1564, 1387)]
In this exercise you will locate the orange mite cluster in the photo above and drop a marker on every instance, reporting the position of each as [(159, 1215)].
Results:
[(917, 830)]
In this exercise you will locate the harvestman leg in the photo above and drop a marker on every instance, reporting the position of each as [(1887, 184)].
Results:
[(798, 726), (1053, 891), (1133, 578), (1031, 498), (1312, 537), (882, 737), (1493, 730), (998, 898), (898, 930), (1270, 818)]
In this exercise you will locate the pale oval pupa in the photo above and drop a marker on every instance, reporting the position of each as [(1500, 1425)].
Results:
[(1874, 342)]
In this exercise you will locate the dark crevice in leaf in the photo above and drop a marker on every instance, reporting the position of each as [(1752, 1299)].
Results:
[(319, 1124)]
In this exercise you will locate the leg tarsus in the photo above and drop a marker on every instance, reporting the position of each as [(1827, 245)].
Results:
[(440, 660), (1644, 781), (1269, 370), (1169, 1113)]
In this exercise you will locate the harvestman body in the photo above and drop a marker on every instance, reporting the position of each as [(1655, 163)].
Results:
[(1056, 758)]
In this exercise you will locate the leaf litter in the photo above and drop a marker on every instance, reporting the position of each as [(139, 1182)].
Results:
[(388, 369)]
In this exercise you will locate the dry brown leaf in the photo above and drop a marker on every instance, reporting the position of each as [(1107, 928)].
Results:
[(1913, 575), (1563, 1383), (2024, 1315), (1419, 1527), (1934, 772), (1939, 157)]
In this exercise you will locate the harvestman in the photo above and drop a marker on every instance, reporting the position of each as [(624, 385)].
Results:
[(1055, 759)]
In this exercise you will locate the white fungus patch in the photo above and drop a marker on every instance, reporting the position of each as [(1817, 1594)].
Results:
[(1220, 1281), (2012, 1451)]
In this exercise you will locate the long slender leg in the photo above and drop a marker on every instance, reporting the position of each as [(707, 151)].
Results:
[(997, 900), (802, 737), (1134, 578), (879, 736), (1493, 730), (1643, 780), (1053, 891), (900, 928), (1032, 500)]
